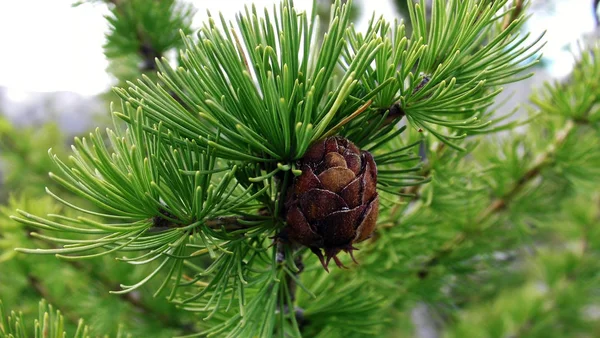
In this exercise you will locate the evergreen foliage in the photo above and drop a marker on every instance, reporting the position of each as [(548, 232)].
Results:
[(146, 29), (189, 184), (49, 324)]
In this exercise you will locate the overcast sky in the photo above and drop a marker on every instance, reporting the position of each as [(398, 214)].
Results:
[(51, 46)]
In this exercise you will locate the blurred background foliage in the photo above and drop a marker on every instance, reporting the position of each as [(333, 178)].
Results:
[(504, 242)]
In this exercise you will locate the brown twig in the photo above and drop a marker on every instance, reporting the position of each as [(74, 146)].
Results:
[(347, 119), (230, 223), (513, 15)]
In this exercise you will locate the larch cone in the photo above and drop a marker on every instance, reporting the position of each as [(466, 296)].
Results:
[(334, 203)]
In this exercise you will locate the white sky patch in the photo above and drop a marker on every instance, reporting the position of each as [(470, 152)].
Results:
[(564, 23), (51, 46)]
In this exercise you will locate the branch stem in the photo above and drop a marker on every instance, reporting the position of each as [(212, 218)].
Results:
[(230, 223), (291, 282), (513, 15)]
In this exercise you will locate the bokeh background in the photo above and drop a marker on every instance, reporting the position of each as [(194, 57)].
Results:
[(55, 83), (52, 65)]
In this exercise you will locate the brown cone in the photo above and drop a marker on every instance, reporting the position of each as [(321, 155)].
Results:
[(334, 203)]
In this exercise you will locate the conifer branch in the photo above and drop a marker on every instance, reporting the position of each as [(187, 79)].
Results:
[(146, 29), (146, 51), (411, 194), (291, 284), (540, 163), (134, 301), (108, 285), (552, 301), (497, 205), (43, 291), (49, 323), (229, 223)]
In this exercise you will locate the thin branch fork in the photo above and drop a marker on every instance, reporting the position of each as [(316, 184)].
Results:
[(230, 223), (500, 203)]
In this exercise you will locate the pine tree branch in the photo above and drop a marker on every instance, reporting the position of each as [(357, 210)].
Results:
[(147, 53), (229, 223), (497, 205), (43, 292), (414, 190), (426, 171), (108, 285), (551, 303), (291, 284), (540, 163), (134, 301)]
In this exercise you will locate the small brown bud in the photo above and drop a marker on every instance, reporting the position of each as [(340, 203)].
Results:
[(334, 202)]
